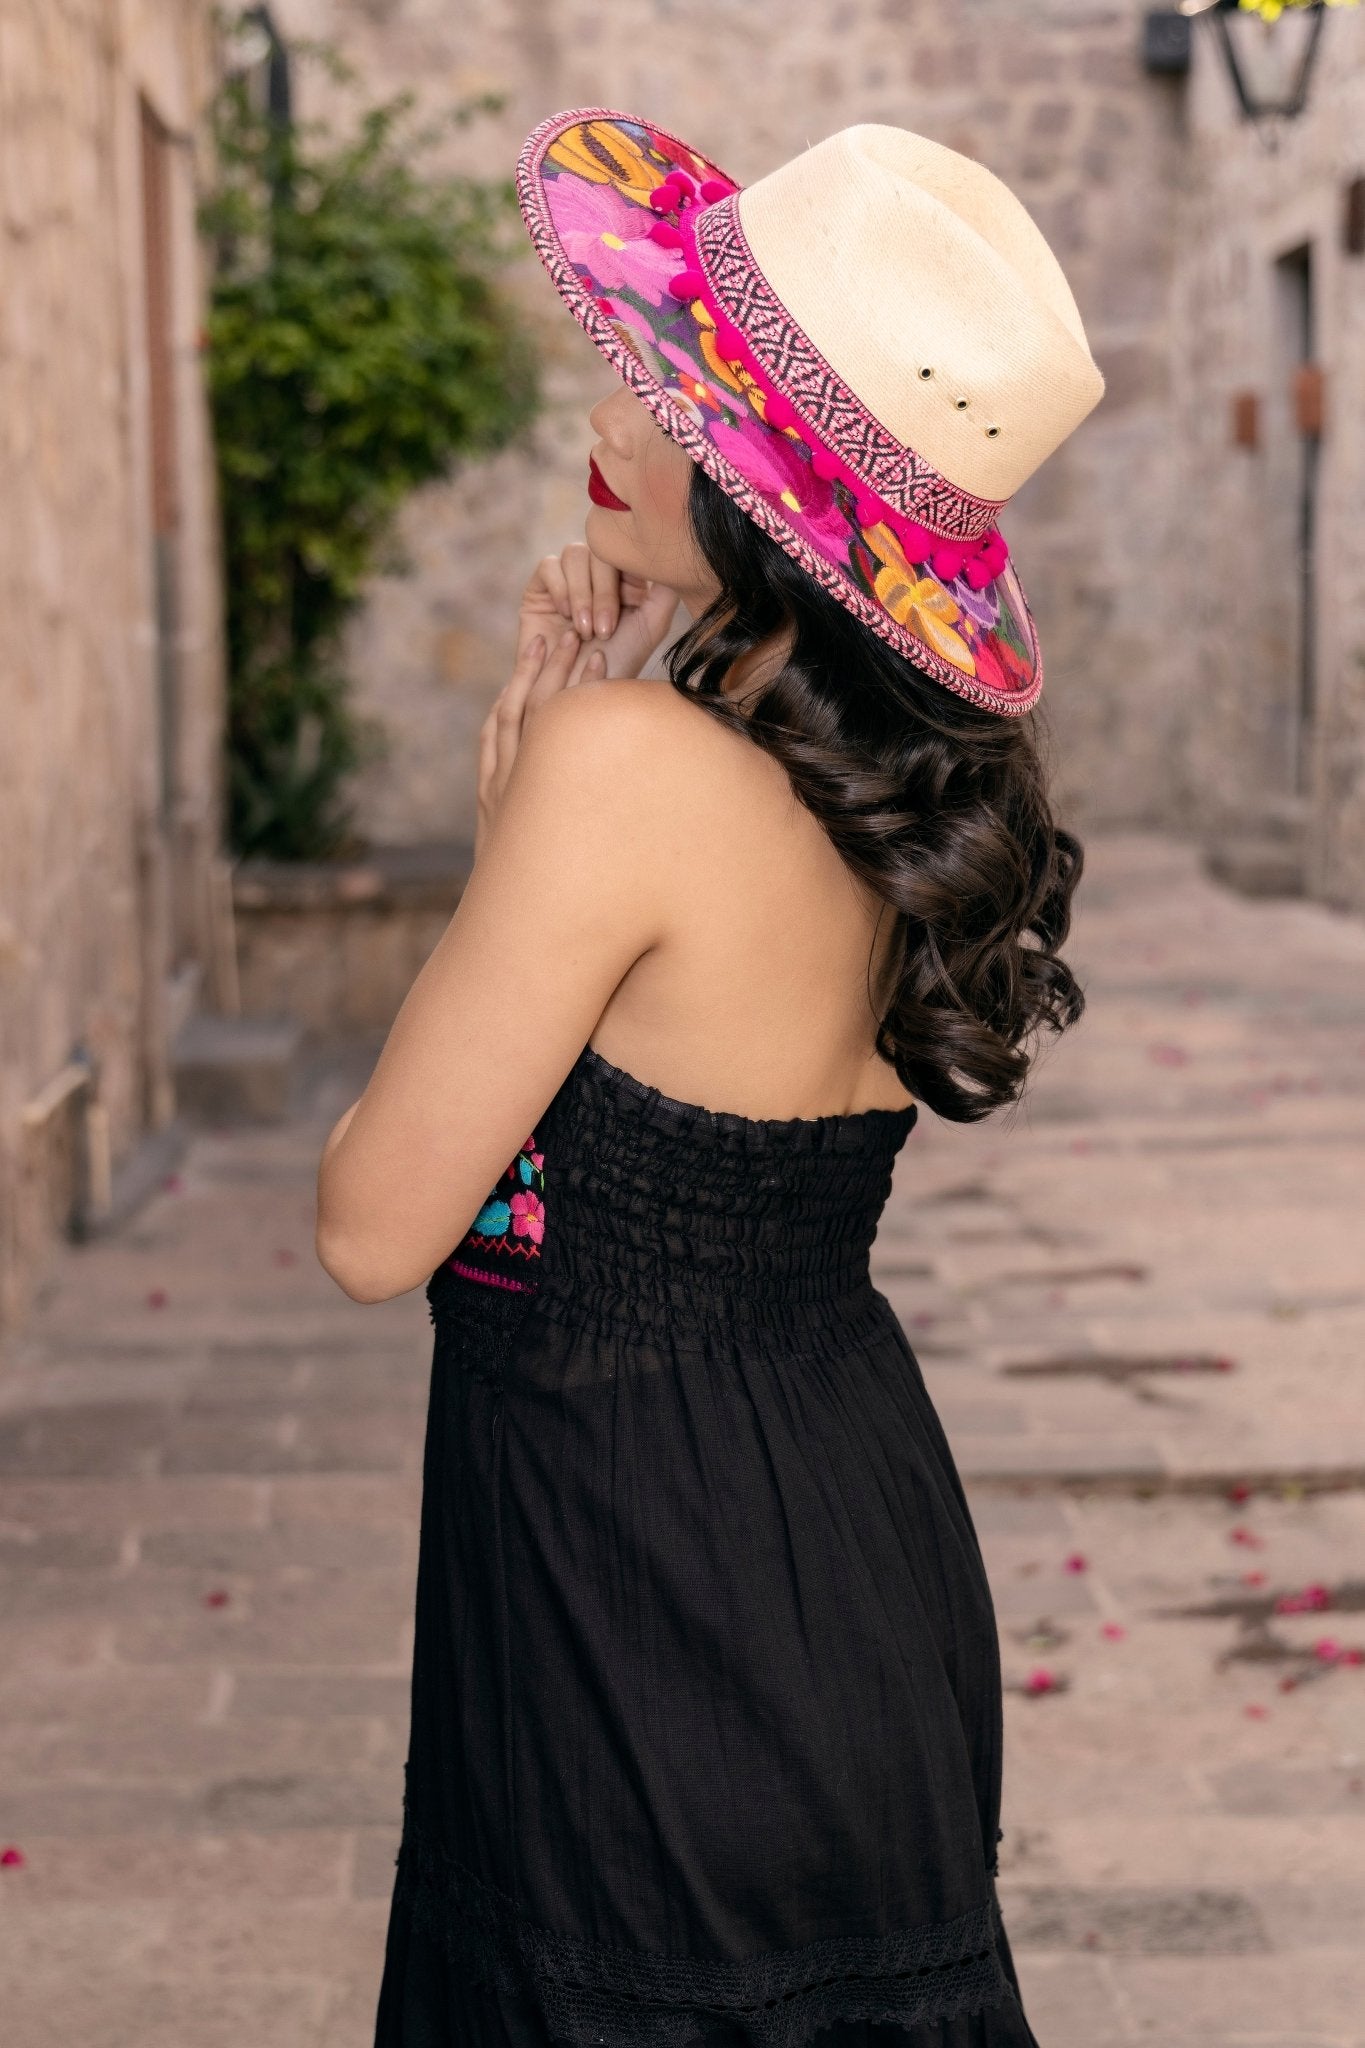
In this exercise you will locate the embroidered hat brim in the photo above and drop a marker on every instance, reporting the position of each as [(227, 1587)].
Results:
[(657, 291)]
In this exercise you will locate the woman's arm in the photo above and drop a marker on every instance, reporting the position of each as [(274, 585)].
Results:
[(568, 890)]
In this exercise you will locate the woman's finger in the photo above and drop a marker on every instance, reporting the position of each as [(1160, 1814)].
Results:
[(606, 595), (510, 707), (555, 670), (577, 562), (550, 575)]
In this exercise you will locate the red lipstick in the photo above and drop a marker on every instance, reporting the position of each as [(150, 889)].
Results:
[(601, 492)]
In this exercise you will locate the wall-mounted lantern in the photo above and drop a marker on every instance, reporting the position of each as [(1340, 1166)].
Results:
[(1268, 55), (257, 52)]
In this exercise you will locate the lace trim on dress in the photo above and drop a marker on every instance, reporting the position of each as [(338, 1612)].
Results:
[(592, 1996)]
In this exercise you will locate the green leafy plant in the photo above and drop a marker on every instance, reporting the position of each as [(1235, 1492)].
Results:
[(357, 346)]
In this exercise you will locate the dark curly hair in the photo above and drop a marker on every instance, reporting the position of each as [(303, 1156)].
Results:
[(939, 806)]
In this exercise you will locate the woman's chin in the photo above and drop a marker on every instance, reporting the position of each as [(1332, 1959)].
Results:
[(602, 530)]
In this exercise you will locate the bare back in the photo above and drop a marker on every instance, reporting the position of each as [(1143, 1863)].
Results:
[(760, 997)]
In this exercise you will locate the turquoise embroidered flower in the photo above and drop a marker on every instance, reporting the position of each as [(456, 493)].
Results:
[(493, 1219)]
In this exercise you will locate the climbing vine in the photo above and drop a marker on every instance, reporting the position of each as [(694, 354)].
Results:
[(357, 346)]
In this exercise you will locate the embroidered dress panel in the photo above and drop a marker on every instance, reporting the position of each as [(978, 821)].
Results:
[(706, 1721)]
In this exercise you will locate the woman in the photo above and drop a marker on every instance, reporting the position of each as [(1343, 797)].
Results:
[(706, 1717)]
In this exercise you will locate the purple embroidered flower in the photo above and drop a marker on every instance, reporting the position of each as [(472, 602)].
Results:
[(598, 228), (981, 605), (773, 466)]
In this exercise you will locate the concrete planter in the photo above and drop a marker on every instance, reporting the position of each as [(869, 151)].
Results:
[(336, 946)]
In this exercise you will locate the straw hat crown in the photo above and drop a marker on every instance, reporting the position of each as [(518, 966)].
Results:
[(926, 284)]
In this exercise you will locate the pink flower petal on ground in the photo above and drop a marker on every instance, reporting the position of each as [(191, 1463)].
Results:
[(1076, 1562), (1168, 1055), (1352, 1657), (1080, 1145), (1253, 1578), (1311, 1600), (1256, 1712), (1225, 1365), (1113, 1631), (217, 1598), (1240, 1492), (1041, 1680), (157, 1297), (1327, 1649), (12, 1858), (1288, 1684), (1246, 1537)]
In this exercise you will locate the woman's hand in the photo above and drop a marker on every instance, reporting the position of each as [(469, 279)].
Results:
[(621, 616), (544, 665)]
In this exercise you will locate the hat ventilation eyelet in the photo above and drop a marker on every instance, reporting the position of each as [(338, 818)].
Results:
[(926, 371), (962, 403), (992, 432)]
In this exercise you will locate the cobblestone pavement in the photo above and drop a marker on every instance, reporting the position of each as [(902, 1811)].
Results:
[(1140, 1305)]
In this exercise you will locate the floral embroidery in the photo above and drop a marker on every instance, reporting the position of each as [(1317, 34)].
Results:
[(510, 1227), (613, 207), (528, 1217)]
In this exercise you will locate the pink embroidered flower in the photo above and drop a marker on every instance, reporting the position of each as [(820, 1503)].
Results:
[(597, 227), (1076, 1562), (528, 1216), (12, 1858), (774, 468), (1256, 1712), (1113, 1631)]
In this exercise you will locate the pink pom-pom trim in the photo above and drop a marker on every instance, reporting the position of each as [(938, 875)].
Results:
[(980, 560)]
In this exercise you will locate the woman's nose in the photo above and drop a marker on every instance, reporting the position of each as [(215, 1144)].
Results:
[(607, 422)]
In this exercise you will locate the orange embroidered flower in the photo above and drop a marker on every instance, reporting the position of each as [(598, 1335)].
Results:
[(608, 156), (918, 602), (728, 374)]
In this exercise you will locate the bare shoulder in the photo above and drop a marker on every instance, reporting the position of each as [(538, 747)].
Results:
[(669, 746)]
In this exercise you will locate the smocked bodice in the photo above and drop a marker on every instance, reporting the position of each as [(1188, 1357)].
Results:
[(624, 1199)]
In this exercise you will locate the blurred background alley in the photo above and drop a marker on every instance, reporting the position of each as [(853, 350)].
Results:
[(287, 412)]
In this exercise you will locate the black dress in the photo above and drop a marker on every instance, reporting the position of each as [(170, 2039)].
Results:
[(706, 1711)]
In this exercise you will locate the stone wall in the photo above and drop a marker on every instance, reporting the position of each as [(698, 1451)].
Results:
[(1051, 95), (109, 766), (1233, 598)]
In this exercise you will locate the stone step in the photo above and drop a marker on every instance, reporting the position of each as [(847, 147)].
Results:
[(236, 1070)]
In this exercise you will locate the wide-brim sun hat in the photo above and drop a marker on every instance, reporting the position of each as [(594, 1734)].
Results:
[(869, 349)]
